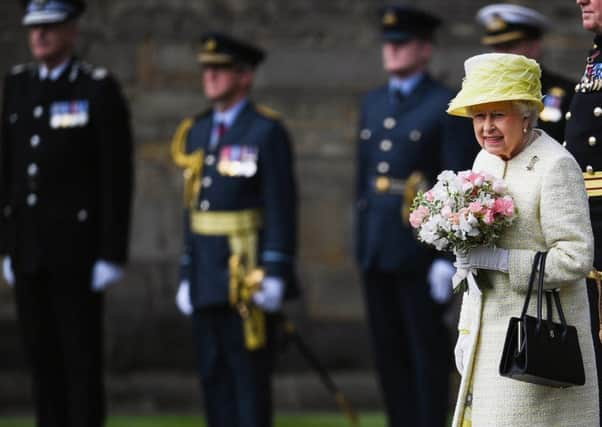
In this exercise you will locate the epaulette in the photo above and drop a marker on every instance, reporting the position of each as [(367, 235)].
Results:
[(18, 69), (95, 72), (268, 112)]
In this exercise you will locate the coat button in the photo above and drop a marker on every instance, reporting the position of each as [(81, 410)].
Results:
[(564, 143), (32, 169), (389, 123), (82, 215), (210, 160), (13, 118), (415, 135), (207, 181), (589, 169), (383, 167), (38, 111), (32, 199), (568, 115), (597, 111), (592, 141), (365, 134), (35, 140), (204, 205), (7, 211), (386, 145)]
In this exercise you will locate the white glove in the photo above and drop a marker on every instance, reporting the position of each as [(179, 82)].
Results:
[(439, 278), (7, 272), (104, 274), (485, 258), (183, 298), (269, 297), (461, 352)]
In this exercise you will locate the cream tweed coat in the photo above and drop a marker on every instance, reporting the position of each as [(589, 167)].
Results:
[(553, 215)]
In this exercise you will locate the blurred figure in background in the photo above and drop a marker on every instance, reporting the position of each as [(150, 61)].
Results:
[(401, 131), (510, 28), (65, 192), (240, 215), (583, 138)]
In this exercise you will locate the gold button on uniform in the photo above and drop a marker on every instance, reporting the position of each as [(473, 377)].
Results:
[(597, 111), (592, 141), (389, 123), (383, 184), (568, 115), (386, 145)]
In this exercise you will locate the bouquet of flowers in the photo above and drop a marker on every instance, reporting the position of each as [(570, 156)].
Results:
[(462, 211)]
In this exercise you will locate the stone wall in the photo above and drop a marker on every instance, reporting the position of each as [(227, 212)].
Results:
[(323, 56)]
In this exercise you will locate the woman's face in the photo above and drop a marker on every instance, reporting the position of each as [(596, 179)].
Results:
[(498, 127)]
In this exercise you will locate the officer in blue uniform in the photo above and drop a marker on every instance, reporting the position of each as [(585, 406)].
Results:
[(65, 195), (240, 219), (583, 138), (510, 28), (401, 131)]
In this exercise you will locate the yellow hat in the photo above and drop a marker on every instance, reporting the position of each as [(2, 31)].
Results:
[(495, 77)]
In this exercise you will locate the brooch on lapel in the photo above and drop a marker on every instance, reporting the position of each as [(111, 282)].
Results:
[(532, 162)]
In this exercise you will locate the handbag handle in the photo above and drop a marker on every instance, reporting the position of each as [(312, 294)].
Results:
[(536, 262), (539, 263)]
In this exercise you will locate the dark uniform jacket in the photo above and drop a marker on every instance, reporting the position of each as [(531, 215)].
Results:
[(268, 184), (557, 92), (396, 139), (584, 134), (66, 177)]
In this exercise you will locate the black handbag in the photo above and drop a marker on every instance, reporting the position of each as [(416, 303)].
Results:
[(541, 351)]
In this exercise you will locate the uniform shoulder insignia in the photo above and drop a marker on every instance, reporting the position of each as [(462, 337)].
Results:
[(18, 69), (99, 73), (268, 112)]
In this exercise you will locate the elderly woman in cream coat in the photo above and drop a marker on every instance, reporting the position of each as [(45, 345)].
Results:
[(502, 95)]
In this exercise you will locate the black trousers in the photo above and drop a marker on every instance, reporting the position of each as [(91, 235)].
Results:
[(592, 295), (236, 383), (411, 349), (61, 325)]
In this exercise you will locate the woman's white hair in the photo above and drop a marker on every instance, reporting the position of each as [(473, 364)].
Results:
[(529, 110)]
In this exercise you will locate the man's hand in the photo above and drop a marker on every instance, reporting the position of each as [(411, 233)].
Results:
[(7, 272), (183, 298), (269, 297), (104, 274), (439, 278)]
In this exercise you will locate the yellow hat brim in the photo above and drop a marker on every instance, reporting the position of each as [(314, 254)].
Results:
[(462, 107)]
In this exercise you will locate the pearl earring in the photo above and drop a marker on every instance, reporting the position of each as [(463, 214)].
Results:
[(524, 130)]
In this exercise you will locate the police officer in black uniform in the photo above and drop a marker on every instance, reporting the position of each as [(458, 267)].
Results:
[(401, 132), (240, 219), (583, 138), (517, 29), (65, 189)]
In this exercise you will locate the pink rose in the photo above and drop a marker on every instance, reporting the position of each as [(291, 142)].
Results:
[(477, 179), (417, 217), (475, 207), (429, 196), (504, 206), (488, 217)]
